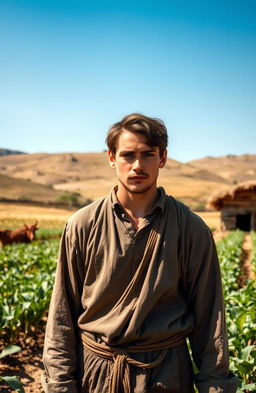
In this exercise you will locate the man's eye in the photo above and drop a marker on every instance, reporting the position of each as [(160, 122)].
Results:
[(128, 155), (149, 154)]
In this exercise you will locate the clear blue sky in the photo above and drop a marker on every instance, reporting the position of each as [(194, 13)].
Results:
[(69, 69)]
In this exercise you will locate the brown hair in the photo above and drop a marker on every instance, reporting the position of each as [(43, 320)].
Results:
[(153, 129)]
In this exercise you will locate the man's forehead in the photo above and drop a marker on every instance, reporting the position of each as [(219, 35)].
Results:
[(134, 142), (137, 147)]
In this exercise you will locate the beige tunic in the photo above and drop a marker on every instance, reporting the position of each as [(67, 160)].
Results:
[(179, 292)]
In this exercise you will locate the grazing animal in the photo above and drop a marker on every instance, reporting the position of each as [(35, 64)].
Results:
[(23, 235)]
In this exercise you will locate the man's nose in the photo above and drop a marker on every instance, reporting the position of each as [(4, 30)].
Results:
[(137, 164)]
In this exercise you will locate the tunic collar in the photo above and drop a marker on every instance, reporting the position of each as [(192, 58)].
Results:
[(117, 206)]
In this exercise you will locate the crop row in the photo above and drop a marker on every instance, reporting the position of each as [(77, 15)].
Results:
[(240, 311), (229, 251), (27, 275)]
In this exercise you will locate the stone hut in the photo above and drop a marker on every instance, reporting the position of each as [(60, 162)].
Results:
[(237, 206)]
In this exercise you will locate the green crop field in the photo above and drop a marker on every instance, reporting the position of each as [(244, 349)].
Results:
[(27, 275), (240, 311)]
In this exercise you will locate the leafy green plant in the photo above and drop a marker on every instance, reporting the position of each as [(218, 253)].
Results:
[(229, 252), (253, 260), (245, 365), (12, 381), (240, 312), (48, 233), (27, 274)]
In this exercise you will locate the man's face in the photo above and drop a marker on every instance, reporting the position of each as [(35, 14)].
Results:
[(137, 164)]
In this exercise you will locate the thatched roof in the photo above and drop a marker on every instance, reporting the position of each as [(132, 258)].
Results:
[(216, 201)]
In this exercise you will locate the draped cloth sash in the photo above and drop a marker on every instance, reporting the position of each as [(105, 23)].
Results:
[(120, 373)]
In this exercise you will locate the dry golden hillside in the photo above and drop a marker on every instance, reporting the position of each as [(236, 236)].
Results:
[(234, 169), (91, 176), (22, 189)]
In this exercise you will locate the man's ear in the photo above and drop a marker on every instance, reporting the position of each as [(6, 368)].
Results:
[(111, 159), (163, 159)]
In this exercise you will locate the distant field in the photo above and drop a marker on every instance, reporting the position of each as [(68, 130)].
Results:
[(212, 219), (15, 215)]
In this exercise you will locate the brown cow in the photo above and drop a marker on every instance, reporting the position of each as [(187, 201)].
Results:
[(23, 235)]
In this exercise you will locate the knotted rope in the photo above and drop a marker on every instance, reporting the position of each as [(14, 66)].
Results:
[(120, 374)]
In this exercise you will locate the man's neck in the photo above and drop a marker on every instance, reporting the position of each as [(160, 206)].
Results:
[(137, 205)]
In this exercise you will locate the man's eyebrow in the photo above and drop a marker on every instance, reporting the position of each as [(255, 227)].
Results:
[(127, 151), (150, 150)]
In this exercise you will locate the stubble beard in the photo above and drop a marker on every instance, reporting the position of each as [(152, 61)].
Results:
[(141, 191)]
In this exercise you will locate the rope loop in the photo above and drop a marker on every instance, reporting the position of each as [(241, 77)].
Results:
[(120, 373)]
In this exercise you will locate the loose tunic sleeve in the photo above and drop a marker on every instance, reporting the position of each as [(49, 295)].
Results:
[(60, 349), (204, 295)]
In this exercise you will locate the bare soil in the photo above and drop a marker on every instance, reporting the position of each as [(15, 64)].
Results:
[(246, 268), (218, 235), (27, 364)]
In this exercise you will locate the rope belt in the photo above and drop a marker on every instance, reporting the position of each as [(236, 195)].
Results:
[(120, 374)]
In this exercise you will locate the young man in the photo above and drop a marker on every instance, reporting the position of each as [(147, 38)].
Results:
[(137, 274)]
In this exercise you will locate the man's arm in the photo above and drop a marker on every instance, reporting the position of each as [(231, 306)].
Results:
[(208, 339), (60, 348)]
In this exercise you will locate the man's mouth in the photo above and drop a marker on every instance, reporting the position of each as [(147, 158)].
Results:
[(138, 177)]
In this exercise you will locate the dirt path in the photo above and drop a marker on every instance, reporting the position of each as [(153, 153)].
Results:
[(218, 235), (246, 268)]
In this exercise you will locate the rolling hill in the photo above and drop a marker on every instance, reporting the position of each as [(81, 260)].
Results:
[(24, 190), (234, 169), (90, 175)]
